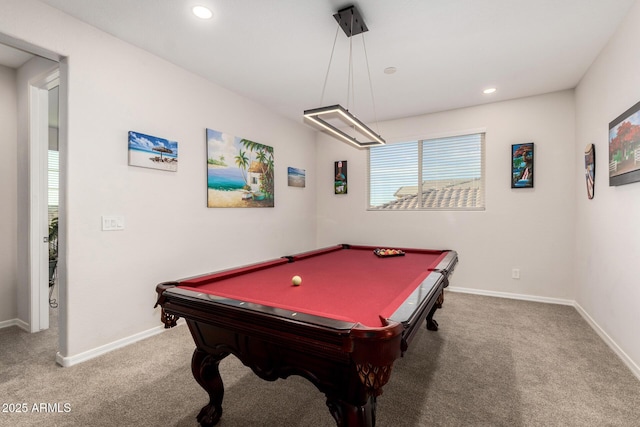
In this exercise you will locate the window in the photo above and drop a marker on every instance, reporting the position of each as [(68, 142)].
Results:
[(442, 173)]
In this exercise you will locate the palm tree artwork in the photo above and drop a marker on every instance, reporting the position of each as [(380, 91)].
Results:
[(264, 166), (248, 181), (242, 161)]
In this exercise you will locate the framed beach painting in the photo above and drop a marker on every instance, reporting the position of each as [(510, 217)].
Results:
[(624, 147), (239, 172), (340, 177), (296, 177), (152, 152), (522, 165)]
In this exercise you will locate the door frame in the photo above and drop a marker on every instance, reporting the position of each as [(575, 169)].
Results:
[(63, 103), (38, 198)]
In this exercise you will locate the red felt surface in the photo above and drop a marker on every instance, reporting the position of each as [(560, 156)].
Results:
[(350, 284)]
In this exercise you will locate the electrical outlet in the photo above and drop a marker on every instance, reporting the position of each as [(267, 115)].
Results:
[(515, 273)]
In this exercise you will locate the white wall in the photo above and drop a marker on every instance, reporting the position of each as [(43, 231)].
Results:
[(8, 194), (608, 228), (530, 229), (169, 233)]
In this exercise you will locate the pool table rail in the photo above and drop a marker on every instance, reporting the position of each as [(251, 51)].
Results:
[(425, 299), (261, 321)]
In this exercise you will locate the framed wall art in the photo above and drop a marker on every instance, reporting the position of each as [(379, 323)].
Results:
[(522, 165), (624, 147), (340, 177), (296, 177), (240, 172), (152, 152), (590, 168)]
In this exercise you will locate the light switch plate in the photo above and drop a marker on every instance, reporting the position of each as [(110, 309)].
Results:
[(112, 222)]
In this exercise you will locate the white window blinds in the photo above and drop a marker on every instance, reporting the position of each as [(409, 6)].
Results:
[(442, 173)]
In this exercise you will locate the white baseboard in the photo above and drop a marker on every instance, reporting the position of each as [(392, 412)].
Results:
[(67, 361), (635, 369), (511, 296), (14, 322), (610, 342)]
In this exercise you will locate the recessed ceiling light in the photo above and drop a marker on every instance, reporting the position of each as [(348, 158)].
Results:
[(390, 70), (489, 90), (202, 12)]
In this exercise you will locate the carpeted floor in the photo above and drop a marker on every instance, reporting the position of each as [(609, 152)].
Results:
[(494, 362)]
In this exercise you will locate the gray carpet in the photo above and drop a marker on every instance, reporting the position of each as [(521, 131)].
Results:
[(494, 362)]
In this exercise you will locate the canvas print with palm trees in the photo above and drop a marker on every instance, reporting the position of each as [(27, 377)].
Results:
[(152, 152), (239, 172)]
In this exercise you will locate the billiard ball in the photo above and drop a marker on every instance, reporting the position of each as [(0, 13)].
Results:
[(296, 280)]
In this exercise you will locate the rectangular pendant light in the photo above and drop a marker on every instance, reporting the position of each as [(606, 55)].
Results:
[(318, 115), (350, 21)]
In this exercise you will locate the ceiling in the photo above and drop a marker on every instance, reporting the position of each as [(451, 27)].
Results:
[(445, 52), (13, 58)]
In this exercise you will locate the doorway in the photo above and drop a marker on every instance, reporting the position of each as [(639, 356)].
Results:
[(41, 85)]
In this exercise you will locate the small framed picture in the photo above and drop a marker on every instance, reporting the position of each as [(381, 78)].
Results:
[(522, 165), (340, 177), (152, 152), (296, 177), (624, 147), (590, 168)]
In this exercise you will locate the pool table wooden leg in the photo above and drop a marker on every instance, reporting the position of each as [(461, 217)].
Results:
[(205, 368), (432, 325), (348, 415)]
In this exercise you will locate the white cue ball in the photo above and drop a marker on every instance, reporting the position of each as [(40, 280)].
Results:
[(296, 280)]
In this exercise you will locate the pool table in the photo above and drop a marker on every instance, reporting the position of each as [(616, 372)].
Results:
[(355, 312)]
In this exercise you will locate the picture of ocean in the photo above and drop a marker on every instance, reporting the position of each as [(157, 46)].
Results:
[(239, 172), (155, 153), (296, 177), (152, 152), (225, 179)]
